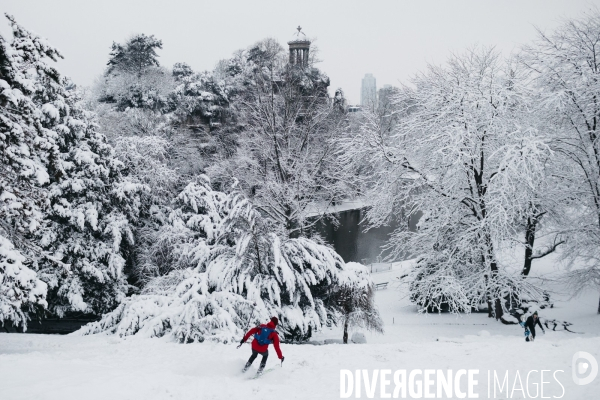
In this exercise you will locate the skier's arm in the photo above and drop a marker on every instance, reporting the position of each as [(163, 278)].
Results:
[(540, 324), (250, 332), (276, 345)]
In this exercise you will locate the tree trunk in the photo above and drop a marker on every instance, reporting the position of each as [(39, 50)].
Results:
[(292, 224), (346, 331), (498, 311), (598, 306), (489, 299), (529, 241)]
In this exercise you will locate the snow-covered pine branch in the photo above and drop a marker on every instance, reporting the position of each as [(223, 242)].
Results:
[(20, 288), (188, 312)]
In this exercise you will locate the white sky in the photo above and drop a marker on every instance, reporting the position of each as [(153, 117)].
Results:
[(391, 39)]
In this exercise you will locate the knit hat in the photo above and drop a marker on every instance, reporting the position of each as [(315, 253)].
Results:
[(535, 313), (274, 320)]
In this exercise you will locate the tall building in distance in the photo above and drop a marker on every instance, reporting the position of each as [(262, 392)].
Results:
[(368, 91)]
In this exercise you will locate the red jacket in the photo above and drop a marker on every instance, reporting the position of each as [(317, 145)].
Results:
[(274, 337)]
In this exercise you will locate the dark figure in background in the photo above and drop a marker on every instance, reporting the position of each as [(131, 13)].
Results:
[(530, 324), (264, 335)]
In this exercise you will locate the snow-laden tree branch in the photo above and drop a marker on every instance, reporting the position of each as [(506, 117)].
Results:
[(467, 153), (285, 158), (566, 70)]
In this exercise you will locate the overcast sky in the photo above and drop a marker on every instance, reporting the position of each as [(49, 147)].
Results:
[(391, 39)]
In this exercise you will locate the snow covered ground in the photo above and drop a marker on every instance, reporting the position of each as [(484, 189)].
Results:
[(101, 367)]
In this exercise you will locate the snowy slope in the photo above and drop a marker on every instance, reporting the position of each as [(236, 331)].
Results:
[(68, 367), (404, 323), (101, 367)]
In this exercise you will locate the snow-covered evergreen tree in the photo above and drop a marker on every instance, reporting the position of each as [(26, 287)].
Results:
[(134, 78), (199, 95), (218, 250), (28, 150), (92, 209), (354, 301), (64, 202), (28, 161), (135, 56), (287, 277)]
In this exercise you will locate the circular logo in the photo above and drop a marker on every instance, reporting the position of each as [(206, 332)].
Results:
[(584, 368)]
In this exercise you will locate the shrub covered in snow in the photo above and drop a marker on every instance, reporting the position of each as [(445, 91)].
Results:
[(437, 285)]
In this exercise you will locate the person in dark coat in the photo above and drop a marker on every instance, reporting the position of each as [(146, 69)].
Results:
[(264, 335), (530, 324)]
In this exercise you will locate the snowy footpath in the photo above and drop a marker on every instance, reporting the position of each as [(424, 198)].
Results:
[(110, 368)]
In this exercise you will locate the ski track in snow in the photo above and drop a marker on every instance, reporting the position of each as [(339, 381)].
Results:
[(107, 367)]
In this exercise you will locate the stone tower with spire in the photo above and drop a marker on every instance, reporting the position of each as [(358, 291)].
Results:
[(299, 48)]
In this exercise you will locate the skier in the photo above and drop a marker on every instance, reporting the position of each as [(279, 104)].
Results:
[(530, 324), (264, 335)]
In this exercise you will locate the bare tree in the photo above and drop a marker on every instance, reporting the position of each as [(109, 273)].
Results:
[(466, 152), (285, 158)]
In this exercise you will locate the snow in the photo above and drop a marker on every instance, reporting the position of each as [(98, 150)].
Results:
[(19, 285), (358, 337), (50, 111), (101, 367), (225, 247), (316, 209)]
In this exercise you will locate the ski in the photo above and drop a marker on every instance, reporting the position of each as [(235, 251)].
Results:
[(261, 374)]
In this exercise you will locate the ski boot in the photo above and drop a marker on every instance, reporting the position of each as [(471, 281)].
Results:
[(246, 367)]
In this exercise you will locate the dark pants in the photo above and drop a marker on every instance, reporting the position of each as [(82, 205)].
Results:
[(532, 329), (263, 362)]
